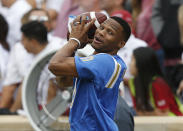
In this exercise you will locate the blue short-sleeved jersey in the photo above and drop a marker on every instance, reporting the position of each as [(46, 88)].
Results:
[(95, 92)]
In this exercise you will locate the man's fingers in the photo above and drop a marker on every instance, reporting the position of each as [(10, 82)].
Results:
[(83, 20), (77, 19), (88, 25)]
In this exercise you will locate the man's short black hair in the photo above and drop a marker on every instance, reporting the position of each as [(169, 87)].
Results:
[(125, 25), (35, 30)]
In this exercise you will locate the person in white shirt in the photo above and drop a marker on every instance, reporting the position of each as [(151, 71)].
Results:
[(37, 47), (16, 9), (4, 55), (18, 69), (35, 41)]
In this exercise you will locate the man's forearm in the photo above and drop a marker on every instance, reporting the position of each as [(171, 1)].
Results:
[(62, 63), (66, 51)]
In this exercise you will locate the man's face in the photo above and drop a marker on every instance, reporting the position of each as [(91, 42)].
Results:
[(40, 15), (108, 37), (27, 43)]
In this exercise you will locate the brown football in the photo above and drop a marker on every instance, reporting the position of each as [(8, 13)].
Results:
[(100, 18)]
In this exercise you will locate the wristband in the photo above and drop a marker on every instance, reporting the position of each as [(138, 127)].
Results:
[(79, 44)]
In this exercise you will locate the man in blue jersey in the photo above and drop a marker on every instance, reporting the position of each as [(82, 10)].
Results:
[(97, 77)]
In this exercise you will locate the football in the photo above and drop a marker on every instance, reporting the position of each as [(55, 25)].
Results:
[(100, 18)]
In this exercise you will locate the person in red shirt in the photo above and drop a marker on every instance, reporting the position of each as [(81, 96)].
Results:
[(150, 92)]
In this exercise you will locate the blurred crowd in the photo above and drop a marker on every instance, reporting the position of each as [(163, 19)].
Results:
[(153, 83)]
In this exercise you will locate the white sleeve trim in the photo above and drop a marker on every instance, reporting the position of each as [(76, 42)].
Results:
[(114, 76)]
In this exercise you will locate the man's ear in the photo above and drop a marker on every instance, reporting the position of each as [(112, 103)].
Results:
[(121, 44)]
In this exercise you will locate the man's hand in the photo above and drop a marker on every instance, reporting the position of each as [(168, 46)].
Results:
[(80, 27), (63, 62)]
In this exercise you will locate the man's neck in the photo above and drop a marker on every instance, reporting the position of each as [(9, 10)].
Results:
[(110, 53)]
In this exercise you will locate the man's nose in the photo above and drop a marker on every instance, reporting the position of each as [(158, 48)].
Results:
[(102, 32)]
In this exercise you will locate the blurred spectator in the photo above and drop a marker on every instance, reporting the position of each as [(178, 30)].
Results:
[(19, 61), (35, 41), (53, 7), (151, 93), (178, 70), (40, 15), (32, 3), (34, 34), (4, 49), (128, 5), (3, 10), (69, 7), (165, 26), (18, 69), (111, 6), (144, 29), (177, 78), (89, 5), (180, 21), (136, 9), (16, 9)]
